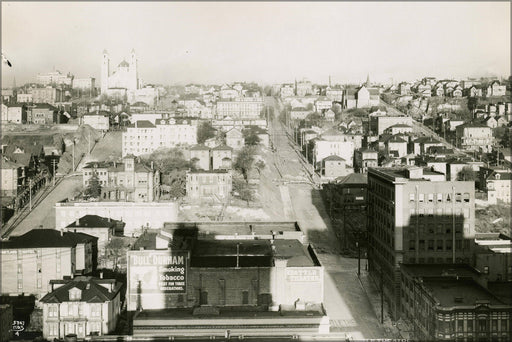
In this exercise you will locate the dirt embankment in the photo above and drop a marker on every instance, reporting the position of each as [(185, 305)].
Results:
[(84, 139)]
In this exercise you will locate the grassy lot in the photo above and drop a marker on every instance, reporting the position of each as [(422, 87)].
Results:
[(486, 216)]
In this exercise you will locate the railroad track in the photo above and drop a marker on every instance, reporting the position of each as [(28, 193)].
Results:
[(25, 211)]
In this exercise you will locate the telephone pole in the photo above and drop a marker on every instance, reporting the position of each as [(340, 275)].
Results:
[(30, 194), (54, 162)]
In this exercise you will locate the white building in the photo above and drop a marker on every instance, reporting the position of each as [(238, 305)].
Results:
[(55, 78), (84, 83), (325, 148), (143, 137), (240, 109), (96, 121)]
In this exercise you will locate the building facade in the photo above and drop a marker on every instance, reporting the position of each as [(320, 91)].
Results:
[(209, 184), (412, 219), (31, 260), (240, 109), (83, 306), (124, 181)]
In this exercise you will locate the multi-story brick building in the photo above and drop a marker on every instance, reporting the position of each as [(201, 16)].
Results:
[(451, 303), (143, 137), (14, 114), (209, 184), (124, 181), (493, 256), (82, 306), (413, 219), (31, 260)]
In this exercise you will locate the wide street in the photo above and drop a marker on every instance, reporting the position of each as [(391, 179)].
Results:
[(345, 300)]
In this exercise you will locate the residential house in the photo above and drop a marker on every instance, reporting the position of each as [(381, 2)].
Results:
[(451, 124), (222, 157), (438, 90), (456, 91), (82, 306), (14, 114), (495, 89), (474, 137), (101, 227), (24, 98), (13, 178), (299, 113), (422, 144), (396, 146), (474, 91), (43, 114), (213, 184), (287, 90), (398, 129), (333, 167), (365, 158), (127, 180), (379, 123), (324, 148), (367, 97), (31, 260), (404, 88), (322, 103), (329, 115), (350, 98), (235, 139), (490, 121), (304, 88), (201, 154), (334, 93), (496, 182)]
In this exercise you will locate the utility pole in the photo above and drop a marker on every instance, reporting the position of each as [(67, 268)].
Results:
[(73, 154), (89, 149), (53, 164), (381, 296), (358, 257), (453, 224), (30, 194)]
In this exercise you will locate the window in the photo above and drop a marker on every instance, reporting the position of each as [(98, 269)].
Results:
[(486, 269), (412, 197), (430, 245), (52, 310), (504, 325), (412, 245), (439, 245), (469, 325), (421, 197), (245, 297), (20, 283), (439, 197), (460, 325), (482, 325), (458, 197), (430, 198)]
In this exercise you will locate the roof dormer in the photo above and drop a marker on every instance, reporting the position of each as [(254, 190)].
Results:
[(75, 294)]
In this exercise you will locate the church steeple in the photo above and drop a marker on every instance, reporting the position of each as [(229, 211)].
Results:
[(367, 80)]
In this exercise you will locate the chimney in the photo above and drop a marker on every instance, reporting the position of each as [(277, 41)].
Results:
[(115, 164), (151, 165), (77, 222), (61, 232), (101, 275)]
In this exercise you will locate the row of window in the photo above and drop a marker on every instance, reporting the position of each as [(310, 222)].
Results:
[(440, 197), (439, 245), (74, 310)]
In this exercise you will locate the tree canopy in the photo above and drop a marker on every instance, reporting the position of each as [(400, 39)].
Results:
[(466, 174), (94, 187), (244, 160), (251, 136), (205, 131)]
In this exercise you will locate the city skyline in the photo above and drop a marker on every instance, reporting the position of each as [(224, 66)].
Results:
[(178, 43)]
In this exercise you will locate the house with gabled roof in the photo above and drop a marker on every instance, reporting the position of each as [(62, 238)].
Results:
[(82, 306), (333, 166)]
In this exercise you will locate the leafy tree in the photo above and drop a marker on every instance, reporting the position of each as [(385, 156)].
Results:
[(251, 136), (466, 174), (244, 160), (94, 187), (115, 249), (241, 186), (205, 131)]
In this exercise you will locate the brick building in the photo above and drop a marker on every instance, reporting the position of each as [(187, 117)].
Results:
[(452, 303), (209, 184), (413, 219), (257, 268)]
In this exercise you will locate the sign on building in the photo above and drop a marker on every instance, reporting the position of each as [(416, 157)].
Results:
[(157, 272)]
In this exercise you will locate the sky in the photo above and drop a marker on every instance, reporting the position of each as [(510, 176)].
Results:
[(264, 42)]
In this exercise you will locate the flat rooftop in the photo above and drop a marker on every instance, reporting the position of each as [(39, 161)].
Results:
[(439, 270), (235, 228), (459, 292)]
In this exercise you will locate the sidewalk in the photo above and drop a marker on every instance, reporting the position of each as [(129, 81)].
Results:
[(400, 329)]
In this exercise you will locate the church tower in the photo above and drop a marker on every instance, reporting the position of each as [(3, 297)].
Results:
[(105, 72), (134, 77)]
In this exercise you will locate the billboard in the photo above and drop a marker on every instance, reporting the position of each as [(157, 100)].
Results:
[(157, 271)]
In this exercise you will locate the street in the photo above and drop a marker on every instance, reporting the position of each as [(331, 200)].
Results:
[(345, 300)]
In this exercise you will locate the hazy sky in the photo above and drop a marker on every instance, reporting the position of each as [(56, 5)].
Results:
[(259, 41)]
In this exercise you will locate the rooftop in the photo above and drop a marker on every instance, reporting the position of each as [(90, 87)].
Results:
[(93, 290), (46, 238), (92, 221), (458, 291)]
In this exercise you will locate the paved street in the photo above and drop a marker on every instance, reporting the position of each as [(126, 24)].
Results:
[(43, 215), (345, 301)]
